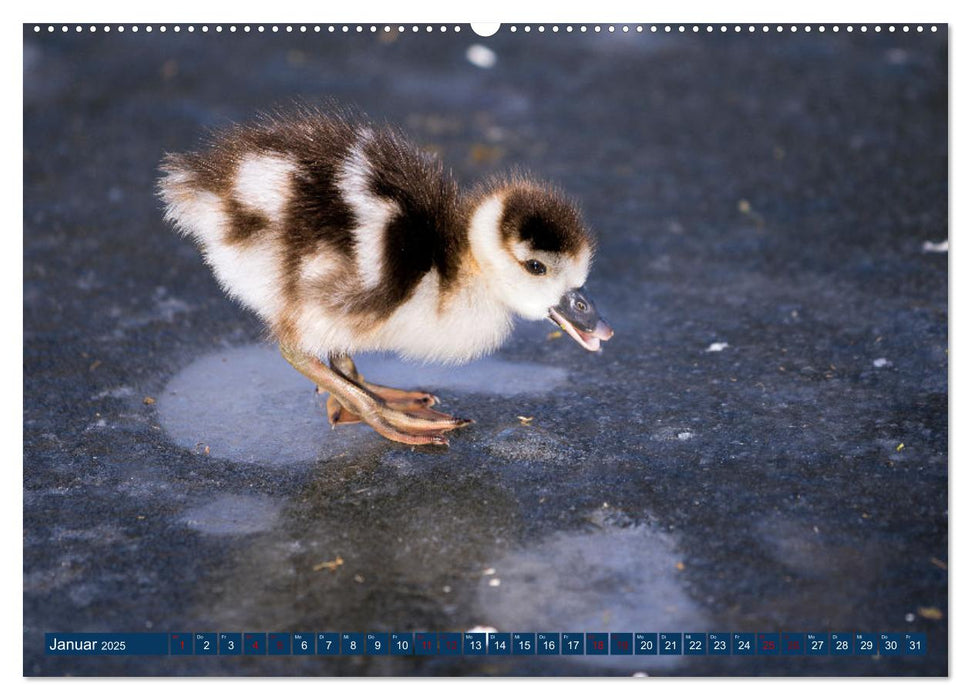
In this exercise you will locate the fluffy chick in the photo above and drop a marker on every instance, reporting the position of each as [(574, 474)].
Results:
[(344, 237)]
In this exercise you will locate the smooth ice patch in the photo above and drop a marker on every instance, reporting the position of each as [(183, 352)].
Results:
[(616, 579), (233, 515), (249, 405)]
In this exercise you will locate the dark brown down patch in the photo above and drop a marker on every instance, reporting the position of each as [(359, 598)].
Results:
[(243, 222), (544, 219)]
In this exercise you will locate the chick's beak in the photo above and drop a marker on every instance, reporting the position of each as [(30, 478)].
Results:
[(577, 315)]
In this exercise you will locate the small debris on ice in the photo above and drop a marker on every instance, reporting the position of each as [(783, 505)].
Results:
[(716, 347), (329, 565), (686, 435), (494, 582), (481, 56), (882, 362), (930, 247)]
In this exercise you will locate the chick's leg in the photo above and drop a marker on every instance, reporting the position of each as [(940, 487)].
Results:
[(406, 409), (401, 426), (396, 398)]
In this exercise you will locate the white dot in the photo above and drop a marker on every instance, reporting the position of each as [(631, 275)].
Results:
[(148, 29), (878, 28), (626, 28), (526, 28), (920, 28), (513, 29), (822, 28), (134, 28), (120, 29), (108, 29), (892, 28), (849, 28), (906, 28), (934, 28), (457, 29), (836, 28), (36, 28), (219, 28)]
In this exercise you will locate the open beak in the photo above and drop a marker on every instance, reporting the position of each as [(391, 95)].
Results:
[(577, 315)]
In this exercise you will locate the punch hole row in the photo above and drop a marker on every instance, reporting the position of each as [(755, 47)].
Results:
[(719, 28), (247, 28), (428, 28)]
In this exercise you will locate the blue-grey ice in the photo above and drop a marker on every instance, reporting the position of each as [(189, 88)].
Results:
[(248, 405), (614, 579), (233, 515)]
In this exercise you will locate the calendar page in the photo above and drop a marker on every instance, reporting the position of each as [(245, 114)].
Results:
[(524, 349)]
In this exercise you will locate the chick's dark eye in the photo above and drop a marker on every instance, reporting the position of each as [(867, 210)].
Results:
[(535, 267)]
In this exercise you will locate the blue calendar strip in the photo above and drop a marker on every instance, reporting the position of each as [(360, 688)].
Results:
[(509, 644)]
